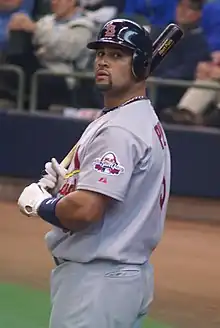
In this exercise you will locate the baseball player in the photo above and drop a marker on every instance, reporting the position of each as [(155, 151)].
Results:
[(108, 208)]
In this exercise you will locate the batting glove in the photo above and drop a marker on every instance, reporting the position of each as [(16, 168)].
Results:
[(53, 177), (31, 198)]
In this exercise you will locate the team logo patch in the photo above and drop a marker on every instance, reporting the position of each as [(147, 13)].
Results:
[(108, 164)]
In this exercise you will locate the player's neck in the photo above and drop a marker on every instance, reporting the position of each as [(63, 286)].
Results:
[(111, 101)]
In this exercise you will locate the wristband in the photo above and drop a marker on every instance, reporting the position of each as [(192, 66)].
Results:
[(46, 211)]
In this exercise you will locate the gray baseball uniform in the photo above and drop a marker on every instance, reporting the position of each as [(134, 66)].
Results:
[(108, 281)]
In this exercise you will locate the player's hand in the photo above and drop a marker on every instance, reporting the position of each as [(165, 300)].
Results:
[(53, 177), (31, 198)]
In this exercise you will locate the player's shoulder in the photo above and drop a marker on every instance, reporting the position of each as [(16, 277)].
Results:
[(141, 112), (138, 118)]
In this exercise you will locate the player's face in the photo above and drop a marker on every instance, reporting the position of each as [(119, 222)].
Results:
[(113, 68)]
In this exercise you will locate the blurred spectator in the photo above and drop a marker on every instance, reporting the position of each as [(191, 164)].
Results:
[(157, 12), (60, 41), (41, 8), (103, 10), (211, 23), (195, 103), (183, 59), (7, 8)]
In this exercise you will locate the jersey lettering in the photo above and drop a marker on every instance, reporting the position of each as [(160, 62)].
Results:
[(159, 131)]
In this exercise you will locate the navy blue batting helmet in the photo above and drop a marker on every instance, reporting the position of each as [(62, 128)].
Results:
[(130, 35)]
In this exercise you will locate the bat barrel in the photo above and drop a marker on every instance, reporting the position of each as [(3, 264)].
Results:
[(165, 43)]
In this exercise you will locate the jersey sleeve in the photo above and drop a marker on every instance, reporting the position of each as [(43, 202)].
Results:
[(108, 163)]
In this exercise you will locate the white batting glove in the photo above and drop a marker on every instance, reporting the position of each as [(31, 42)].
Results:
[(31, 198), (55, 174)]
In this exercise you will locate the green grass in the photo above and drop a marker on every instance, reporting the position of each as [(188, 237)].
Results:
[(22, 307)]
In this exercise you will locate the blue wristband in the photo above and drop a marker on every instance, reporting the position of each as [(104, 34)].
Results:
[(46, 211)]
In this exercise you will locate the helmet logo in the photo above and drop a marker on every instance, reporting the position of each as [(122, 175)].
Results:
[(110, 31)]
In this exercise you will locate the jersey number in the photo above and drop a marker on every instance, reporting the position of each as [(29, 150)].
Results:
[(163, 193), (159, 132)]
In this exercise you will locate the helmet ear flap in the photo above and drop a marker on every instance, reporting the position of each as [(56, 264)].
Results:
[(140, 65)]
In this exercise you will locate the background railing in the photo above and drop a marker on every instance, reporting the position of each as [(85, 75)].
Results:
[(151, 82), (45, 72), (17, 70)]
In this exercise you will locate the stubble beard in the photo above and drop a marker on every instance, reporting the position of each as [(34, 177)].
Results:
[(104, 87)]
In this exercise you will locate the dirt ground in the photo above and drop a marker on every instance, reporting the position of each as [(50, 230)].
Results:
[(187, 266)]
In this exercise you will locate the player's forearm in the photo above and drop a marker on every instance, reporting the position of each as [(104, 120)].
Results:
[(73, 212), (77, 210), (47, 211)]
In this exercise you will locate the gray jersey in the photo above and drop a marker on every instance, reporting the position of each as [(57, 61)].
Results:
[(123, 154)]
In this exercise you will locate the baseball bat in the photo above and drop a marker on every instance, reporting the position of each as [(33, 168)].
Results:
[(165, 42)]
